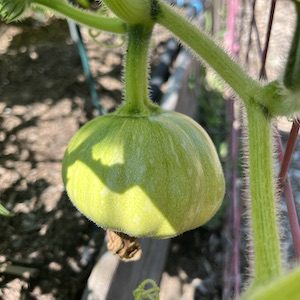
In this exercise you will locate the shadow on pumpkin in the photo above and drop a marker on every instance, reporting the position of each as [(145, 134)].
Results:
[(133, 159)]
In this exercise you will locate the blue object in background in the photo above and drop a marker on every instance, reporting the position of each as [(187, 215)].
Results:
[(180, 2), (77, 38), (196, 4)]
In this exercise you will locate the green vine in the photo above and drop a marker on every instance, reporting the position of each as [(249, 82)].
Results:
[(263, 218), (13, 10), (84, 17), (132, 12), (267, 256), (209, 51)]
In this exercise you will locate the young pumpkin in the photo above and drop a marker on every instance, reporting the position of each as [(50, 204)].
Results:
[(156, 175), (153, 174), (143, 171)]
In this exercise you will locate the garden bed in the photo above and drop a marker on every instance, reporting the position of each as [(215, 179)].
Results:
[(48, 248)]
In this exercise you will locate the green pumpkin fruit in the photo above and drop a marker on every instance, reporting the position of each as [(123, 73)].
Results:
[(146, 176)]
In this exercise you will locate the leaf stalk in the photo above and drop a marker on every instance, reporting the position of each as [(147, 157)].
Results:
[(81, 16)]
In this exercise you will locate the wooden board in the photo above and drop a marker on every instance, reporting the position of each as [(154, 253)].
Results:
[(112, 279), (129, 275)]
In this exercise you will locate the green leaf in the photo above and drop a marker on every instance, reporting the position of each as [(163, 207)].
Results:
[(283, 288), (11, 10), (84, 3), (4, 211)]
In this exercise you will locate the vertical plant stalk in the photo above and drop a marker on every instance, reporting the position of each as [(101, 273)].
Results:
[(253, 26), (266, 241), (291, 81), (267, 255), (249, 43), (290, 148), (285, 183), (262, 73), (293, 217), (136, 70), (271, 210)]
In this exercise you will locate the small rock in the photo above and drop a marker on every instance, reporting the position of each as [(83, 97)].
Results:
[(54, 266)]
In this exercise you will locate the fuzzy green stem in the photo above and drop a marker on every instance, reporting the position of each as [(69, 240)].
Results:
[(266, 242), (90, 19), (132, 11), (278, 100), (207, 49), (136, 71)]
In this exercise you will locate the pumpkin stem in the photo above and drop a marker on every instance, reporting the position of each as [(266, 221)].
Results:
[(137, 73)]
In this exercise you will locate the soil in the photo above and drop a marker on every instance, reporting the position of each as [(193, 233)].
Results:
[(42, 104), (47, 248)]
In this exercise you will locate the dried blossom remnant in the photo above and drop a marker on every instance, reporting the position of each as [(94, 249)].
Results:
[(125, 246)]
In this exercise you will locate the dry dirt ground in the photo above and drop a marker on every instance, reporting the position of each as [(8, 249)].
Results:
[(47, 248), (42, 99)]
